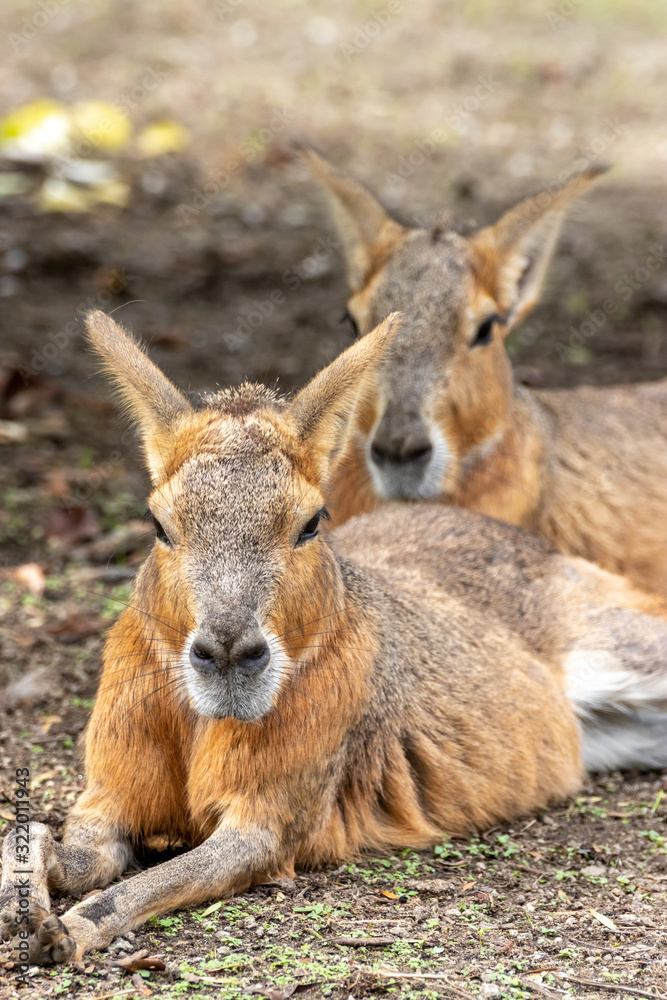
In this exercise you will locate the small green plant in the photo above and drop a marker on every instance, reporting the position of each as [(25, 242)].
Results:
[(446, 852), (169, 925), (656, 839), (82, 702), (587, 805), (561, 875)]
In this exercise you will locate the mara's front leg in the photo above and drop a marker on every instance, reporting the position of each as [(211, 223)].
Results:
[(34, 865), (228, 862)]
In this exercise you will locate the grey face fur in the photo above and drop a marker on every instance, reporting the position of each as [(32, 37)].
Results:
[(426, 280), (444, 397), (229, 523)]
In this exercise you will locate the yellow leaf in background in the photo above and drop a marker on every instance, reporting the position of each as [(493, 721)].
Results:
[(13, 183), (36, 130), (162, 137), (112, 193), (61, 196), (101, 124)]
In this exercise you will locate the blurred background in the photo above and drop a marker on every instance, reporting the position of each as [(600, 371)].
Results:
[(146, 167)]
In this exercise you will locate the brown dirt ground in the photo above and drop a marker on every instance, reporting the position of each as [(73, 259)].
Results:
[(579, 892)]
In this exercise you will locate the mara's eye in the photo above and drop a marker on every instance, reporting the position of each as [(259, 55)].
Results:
[(160, 533), (347, 317), (484, 333), (310, 529)]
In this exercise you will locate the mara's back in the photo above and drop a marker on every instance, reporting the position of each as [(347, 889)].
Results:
[(445, 735), (605, 478)]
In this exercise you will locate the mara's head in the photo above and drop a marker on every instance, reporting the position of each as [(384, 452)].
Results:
[(238, 486), (444, 396)]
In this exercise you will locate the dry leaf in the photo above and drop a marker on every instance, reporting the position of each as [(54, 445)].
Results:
[(102, 124), (140, 960), (29, 575), (26, 400), (35, 688), (46, 775), (12, 432), (71, 524), (603, 920), (46, 725), (162, 137), (389, 895), (76, 626), (36, 130), (467, 885)]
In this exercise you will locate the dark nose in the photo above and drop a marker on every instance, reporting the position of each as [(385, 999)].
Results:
[(394, 449), (250, 655)]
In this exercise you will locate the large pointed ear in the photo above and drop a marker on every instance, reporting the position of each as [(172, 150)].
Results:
[(324, 411), (150, 399), (366, 230), (511, 257)]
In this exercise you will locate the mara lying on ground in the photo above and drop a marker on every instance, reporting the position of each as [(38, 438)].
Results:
[(585, 468), (277, 696)]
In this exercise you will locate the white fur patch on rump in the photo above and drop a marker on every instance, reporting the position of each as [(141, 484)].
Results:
[(622, 711)]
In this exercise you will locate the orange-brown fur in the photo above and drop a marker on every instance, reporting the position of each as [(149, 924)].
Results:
[(419, 683), (584, 468)]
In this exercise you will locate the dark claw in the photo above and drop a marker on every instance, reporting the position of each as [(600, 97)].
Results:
[(37, 916), (9, 927), (50, 942), (64, 949), (47, 931), (52, 934)]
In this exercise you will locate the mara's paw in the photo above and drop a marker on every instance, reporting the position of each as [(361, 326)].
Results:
[(15, 918), (49, 942), (52, 943)]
